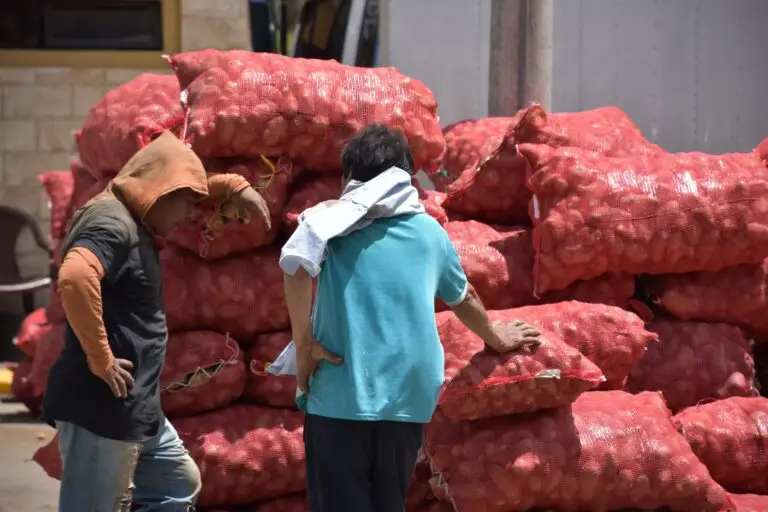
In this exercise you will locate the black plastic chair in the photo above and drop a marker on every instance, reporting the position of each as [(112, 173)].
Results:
[(12, 225)]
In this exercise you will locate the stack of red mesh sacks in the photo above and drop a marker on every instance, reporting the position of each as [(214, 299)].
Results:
[(281, 123), (41, 334), (544, 208)]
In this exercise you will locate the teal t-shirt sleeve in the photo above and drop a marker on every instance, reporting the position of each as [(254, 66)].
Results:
[(452, 284)]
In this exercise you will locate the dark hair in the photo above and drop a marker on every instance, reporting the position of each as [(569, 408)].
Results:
[(374, 150)]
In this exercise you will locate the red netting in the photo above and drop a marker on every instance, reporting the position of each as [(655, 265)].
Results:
[(203, 371), (668, 214), (241, 295), (498, 261), (49, 346), (735, 295), (614, 339), (693, 362), (22, 389), (749, 502), (126, 119), (59, 186), (730, 437), (296, 503), (29, 332), (47, 456), (55, 310), (482, 383), (311, 190), (433, 204), (92, 190), (420, 491), (491, 182), (246, 453), (610, 450), (207, 235), (261, 387), (243, 103)]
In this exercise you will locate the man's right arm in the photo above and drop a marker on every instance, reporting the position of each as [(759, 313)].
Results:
[(462, 298)]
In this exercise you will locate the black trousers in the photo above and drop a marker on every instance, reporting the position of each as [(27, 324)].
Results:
[(359, 466)]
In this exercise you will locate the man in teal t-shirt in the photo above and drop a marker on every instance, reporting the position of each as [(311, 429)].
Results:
[(370, 360)]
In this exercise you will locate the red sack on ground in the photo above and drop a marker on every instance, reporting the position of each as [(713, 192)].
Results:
[(750, 502), (241, 295), (48, 349), (296, 503), (730, 437), (246, 453), (262, 387), (736, 295), (59, 186), (30, 331), (22, 389), (203, 371), (610, 450), (482, 383), (249, 104), (209, 236), (48, 458), (310, 190), (693, 362), (668, 214), (614, 339), (126, 119), (491, 184), (498, 261)]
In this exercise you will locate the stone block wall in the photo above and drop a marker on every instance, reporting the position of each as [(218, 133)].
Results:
[(41, 108)]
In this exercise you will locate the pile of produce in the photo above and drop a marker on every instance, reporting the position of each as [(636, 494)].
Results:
[(644, 270)]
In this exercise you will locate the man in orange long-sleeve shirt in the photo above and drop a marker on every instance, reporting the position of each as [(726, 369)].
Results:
[(103, 393)]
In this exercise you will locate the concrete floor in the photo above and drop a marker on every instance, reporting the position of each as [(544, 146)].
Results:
[(24, 486)]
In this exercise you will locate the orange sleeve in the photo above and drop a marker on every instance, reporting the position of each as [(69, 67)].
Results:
[(79, 283), (222, 186)]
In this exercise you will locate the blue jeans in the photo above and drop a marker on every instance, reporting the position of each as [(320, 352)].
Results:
[(103, 475)]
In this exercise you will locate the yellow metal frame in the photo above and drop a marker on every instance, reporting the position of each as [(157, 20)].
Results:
[(171, 12)]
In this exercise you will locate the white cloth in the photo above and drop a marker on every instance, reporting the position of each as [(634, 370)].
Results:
[(389, 194)]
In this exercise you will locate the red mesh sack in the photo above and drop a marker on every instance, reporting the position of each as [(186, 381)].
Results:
[(22, 389), (498, 261), (491, 182), (262, 387), (610, 450), (243, 103), (203, 371), (312, 189), (213, 233), (482, 383), (241, 295), (55, 311), (296, 503), (48, 458), (693, 362), (736, 295), (246, 453), (93, 189), (612, 338), (420, 491), (48, 350), (59, 186), (730, 437), (433, 204), (749, 502), (30, 331), (668, 214), (126, 119)]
